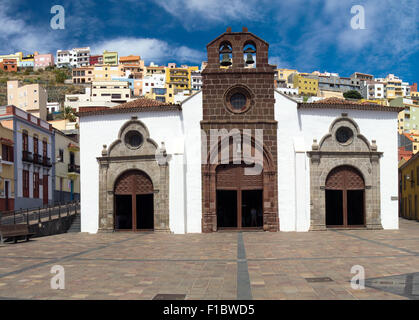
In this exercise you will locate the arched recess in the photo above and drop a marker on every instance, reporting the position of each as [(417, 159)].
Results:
[(345, 197), (239, 177), (123, 157), (225, 54), (133, 204), (250, 54)]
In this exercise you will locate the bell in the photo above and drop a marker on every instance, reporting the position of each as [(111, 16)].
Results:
[(226, 61), (249, 59)]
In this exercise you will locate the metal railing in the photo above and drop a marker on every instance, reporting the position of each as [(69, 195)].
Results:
[(30, 216)]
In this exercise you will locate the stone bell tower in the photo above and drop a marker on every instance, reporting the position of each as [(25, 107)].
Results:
[(238, 93)]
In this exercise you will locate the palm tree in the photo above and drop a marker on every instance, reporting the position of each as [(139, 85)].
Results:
[(69, 114)]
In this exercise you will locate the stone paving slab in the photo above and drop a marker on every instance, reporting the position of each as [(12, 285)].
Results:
[(227, 265)]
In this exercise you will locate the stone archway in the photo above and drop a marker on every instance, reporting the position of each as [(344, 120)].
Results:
[(228, 175), (133, 204), (345, 198), (133, 151), (351, 150)]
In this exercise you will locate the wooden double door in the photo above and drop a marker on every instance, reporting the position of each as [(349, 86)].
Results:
[(134, 202), (239, 198), (345, 198)]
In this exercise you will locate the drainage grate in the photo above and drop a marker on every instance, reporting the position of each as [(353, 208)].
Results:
[(323, 279), (169, 296)]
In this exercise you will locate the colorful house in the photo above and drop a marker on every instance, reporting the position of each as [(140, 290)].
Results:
[(8, 65), (110, 57), (33, 156)]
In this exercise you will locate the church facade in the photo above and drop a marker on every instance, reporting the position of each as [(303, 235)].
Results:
[(238, 155)]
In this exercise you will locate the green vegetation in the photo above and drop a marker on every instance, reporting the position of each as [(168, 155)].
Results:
[(51, 79), (352, 94)]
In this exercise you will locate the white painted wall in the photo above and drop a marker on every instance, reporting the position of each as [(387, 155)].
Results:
[(307, 124), (191, 118), (95, 131)]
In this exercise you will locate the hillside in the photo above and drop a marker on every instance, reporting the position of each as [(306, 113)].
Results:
[(50, 79)]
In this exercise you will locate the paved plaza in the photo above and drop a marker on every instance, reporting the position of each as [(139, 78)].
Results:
[(224, 265)]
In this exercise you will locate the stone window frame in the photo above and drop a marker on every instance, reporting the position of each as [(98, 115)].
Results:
[(329, 154), (239, 88)]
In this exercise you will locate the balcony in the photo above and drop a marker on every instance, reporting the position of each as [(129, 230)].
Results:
[(73, 168), (37, 159), (27, 156), (46, 162)]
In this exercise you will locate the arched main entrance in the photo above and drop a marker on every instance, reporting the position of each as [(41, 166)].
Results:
[(239, 198), (134, 208), (345, 198)]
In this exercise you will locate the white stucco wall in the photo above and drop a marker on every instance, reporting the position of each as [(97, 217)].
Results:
[(191, 116), (300, 127), (95, 131)]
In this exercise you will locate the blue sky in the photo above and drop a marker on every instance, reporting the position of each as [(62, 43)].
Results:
[(306, 35)]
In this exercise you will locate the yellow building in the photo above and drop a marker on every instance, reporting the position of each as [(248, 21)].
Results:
[(110, 57), (305, 86), (67, 168), (17, 56), (409, 185), (283, 75), (7, 169), (414, 94), (105, 72), (180, 78), (381, 102)]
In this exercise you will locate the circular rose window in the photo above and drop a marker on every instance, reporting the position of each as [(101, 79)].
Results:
[(133, 139), (238, 99), (344, 135)]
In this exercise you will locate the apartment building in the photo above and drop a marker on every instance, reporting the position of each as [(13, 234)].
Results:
[(305, 86), (155, 80), (31, 98), (74, 58), (371, 89), (7, 172), (408, 119), (334, 82), (282, 78), (83, 75), (392, 86), (16, 56), (95, 59), (27, 61), (43, 61), (67, 168), (105, 72), (111, 91), (34, 156), (409, 188), (180, 78), (110, 57), (196, 80)]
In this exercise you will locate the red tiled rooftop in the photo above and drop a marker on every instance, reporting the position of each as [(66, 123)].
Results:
[(140, 104), (338, 103)]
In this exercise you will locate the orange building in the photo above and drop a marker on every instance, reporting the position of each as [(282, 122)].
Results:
[(8, 65)]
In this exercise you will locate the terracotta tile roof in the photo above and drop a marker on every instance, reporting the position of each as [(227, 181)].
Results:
[(338, 103), (141, 104)]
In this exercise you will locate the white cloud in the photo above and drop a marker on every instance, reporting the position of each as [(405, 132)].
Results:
[(197, 14), (149, 49)]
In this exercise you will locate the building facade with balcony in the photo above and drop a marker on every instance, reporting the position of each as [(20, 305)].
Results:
[(110, 57), (82, 75), (7, 172), (67, 168), (34, 156)]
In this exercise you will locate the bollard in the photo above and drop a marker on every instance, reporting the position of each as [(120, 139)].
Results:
[(39, 214), (27, 216)]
